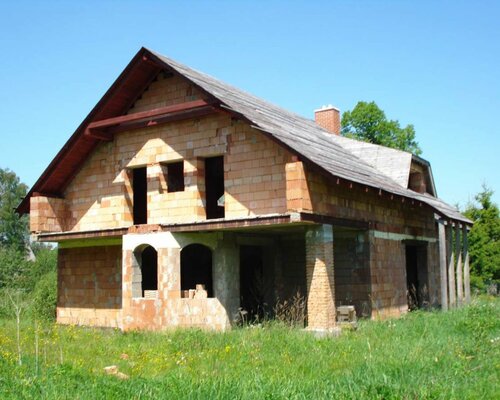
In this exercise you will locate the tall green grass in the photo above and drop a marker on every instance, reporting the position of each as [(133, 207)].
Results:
[(425, 355)]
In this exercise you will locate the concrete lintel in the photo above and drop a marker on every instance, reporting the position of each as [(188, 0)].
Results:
[(161, 240), (402, 236), (94, 242)]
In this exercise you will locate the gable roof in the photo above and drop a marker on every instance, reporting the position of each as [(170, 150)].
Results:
[(331, 153)]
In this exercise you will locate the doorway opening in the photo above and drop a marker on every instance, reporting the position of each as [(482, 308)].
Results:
[(214, 187), (252, 282), (140, 195), (416, 276), (196, 268)]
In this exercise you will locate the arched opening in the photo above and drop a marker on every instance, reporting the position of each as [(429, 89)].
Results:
[(149, 269), (145, 272), (196, 268)]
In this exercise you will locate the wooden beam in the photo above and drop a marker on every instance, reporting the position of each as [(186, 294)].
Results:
[(442, 265), (179, 116), (465, 249), (162, 111), (98, 134), (458, 255), (452, 289)]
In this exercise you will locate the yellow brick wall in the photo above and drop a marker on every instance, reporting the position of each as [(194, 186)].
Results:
[(165, 91)]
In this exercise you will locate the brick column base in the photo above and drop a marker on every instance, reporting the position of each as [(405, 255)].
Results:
[(319, 273)]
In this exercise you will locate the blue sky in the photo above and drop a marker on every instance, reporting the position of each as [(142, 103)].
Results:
[(434, 64)]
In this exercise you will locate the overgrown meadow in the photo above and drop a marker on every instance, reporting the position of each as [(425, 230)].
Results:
[(420, 356)]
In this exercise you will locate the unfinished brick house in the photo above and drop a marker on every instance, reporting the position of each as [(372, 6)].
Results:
[(181, 200)]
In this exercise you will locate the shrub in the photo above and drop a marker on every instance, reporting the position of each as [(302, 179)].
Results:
[(46, 261), (44, 297)]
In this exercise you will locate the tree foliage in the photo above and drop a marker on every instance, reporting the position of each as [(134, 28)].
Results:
[(13, 229), (367, 122), (484, 239), (35, 281)]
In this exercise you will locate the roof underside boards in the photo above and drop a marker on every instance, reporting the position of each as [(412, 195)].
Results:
[(328, 152)]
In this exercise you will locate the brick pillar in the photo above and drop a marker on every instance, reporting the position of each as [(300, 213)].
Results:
[(128, 285), (298, 197), (169, 273), (319, 274)]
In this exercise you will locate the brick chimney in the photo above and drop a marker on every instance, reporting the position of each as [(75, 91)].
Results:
[(328, 117)]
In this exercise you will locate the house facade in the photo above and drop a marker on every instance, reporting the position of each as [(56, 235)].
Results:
[(181, 201)]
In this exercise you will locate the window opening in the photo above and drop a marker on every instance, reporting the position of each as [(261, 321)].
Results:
[(175, 177)]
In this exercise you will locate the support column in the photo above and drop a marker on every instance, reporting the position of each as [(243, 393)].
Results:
[(226, 272), (465, 250), (319, 274), (452, 290), (458, 254), (442, 265)]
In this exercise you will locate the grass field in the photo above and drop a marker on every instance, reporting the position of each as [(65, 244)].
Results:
[(423, 355)]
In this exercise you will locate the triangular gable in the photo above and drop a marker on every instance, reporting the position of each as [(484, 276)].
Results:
[(117, 100)]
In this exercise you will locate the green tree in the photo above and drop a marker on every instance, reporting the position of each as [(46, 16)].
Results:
[(13, 228), (484, 239), (367, 122), (14, 268)]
